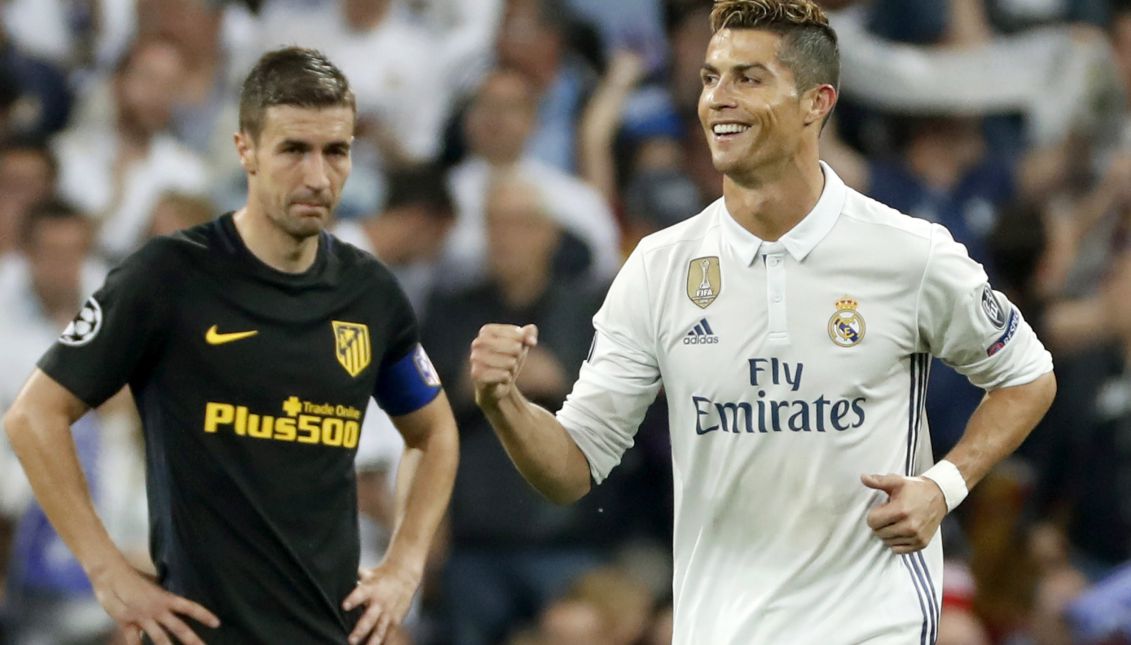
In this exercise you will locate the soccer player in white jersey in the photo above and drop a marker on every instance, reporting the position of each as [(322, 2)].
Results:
[(791, 324)]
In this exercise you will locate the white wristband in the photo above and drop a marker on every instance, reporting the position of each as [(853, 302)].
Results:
[(953, 486)]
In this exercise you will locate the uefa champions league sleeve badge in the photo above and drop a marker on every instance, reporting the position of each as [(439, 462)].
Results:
[(85, 326)]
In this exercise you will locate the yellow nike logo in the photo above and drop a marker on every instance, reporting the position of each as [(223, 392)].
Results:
[(214, 337)]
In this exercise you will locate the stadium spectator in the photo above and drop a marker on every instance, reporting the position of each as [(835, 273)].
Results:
[(118, 170), (77, 35), (497, 124), (403, 95), (535, 37), (49, 598), (36, 99), (689, 32), (27, 176), (1054, 77), (176, 211)]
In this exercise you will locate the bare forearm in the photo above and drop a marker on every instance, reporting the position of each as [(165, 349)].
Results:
[(999, 425), (42, 441), (595, 139), (540, 448), (425, 478)]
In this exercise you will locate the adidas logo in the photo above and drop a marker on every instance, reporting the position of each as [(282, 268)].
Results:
[(701, 334)]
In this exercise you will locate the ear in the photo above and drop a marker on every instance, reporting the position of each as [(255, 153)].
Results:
[(818, 103), (245, 148)]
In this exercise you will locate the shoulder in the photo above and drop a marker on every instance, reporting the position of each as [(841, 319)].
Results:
[(180, 249), (159, 265), (884, 220), (176, 249), (903, 243), (357, 264)]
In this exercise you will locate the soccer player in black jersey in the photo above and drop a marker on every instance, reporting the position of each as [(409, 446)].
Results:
[(251, 345)]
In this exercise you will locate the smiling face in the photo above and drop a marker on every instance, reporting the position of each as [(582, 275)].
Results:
[(297, 165), (752, 113)]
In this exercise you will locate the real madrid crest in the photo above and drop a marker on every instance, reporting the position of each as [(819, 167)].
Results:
[(704, 281), (846, 326)]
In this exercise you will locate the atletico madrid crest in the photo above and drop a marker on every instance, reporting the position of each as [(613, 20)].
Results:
[(351, 345)]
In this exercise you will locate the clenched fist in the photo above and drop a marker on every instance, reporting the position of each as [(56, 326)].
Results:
[(911, 516), (497, 355)]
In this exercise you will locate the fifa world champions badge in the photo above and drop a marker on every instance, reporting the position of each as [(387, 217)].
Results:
[(846, 326), (704, 281)]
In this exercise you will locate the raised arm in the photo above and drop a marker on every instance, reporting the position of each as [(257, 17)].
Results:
[(38, 426), (536, 442), (425, 478)]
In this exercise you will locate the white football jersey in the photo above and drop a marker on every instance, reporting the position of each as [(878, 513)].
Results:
[(791, 368)]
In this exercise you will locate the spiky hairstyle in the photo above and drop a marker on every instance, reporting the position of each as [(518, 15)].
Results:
[(809, 44)]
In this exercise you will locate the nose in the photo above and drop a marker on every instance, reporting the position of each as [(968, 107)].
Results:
[(719, 96), (316, 176)]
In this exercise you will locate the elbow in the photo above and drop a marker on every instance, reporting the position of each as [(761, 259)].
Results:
[(1048, 390), (567, 494), (572, 482), (16, 422)]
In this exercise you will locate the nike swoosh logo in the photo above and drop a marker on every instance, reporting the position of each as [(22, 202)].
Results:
[(214, 337)]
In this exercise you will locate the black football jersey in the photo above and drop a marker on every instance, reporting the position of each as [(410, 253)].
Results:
[(251, 384)]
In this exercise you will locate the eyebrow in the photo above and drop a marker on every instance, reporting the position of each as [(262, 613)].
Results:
[(341, 143), (707, 67)]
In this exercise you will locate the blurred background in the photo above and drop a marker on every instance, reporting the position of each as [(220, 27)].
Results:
[(509, 154)]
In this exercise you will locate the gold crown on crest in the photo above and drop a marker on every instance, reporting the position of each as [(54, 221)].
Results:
[(847, 303)]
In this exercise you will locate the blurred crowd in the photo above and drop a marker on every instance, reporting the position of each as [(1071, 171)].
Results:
[(509, 154)]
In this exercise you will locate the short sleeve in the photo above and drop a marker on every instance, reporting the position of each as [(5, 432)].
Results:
[(970, 326), (406, 379), (620, 377), (113, 337)]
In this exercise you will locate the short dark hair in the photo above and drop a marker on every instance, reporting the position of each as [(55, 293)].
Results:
[(809, 44), (422, 185), (294, 76), (52, 209)]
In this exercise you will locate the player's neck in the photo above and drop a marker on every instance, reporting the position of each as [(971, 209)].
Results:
[(771, 204), (273, 246)]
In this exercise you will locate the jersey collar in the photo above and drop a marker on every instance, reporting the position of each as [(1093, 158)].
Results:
[(801, 239)]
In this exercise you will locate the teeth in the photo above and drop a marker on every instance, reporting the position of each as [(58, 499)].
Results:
[(729, 128)]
